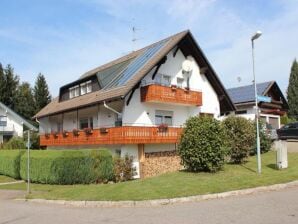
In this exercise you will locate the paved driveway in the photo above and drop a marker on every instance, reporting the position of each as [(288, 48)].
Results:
[(270, 207), (292, 145)]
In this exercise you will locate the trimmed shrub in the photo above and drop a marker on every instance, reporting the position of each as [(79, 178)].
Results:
[(68, 166), (10, 163), (240, 135), (265, 140), (15, 143), (202, 146), (123, 169)]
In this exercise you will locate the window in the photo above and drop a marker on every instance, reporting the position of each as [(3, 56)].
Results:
[(3, 120), (86, 87), (89, 86), (164, 117), (241, 112), (86, 123), (74, 92), (166, 80), (180, 82)]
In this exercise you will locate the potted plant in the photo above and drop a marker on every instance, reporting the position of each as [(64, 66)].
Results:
[(88, 131), (186, 89), (173, 87), (163, 128), (103, 130), (65, 133), (75, 132), (55, 134), (47, 135)]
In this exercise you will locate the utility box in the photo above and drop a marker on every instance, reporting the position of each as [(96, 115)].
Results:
[(281, 155)]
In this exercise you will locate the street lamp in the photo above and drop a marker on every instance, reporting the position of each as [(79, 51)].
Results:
[(254, 37)]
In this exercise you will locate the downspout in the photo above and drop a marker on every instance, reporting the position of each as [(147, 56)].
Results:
[(111, 109)]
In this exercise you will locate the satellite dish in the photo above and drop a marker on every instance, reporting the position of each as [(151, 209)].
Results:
[(187, 65)]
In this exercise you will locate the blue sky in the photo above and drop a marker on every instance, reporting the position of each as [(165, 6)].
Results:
[(65, 38)]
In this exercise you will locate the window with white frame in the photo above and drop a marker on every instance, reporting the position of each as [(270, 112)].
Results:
[(74, 91), (3, 120), (180, 82), (166, 80), (163, 117), (86, 87), (86, 123)]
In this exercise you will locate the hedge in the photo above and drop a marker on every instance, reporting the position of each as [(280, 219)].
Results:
[(10, 163), (68, 166)]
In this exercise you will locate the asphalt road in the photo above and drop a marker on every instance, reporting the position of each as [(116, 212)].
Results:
[(270, 207)]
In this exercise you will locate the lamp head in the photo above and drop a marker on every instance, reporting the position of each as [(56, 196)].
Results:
[(256, 35)]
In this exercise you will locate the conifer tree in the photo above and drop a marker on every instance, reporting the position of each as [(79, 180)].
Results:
[(24, 101), (292, 92), (41, 93), (11, 83)]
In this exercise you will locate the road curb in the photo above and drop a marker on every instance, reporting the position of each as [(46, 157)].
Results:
[(161, 202), (15, 182)]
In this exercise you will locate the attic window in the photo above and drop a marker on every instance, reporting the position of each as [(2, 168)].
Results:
[(86, 87), (74, 91)]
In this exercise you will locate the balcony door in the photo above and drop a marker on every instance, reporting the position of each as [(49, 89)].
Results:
[(163, 117)]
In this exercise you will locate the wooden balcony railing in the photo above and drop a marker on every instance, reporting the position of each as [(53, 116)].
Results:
[(165, 94), (114, 135)]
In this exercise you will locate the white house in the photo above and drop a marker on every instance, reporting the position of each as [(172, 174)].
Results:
[(244, 99), (137, 104), (11, 124)]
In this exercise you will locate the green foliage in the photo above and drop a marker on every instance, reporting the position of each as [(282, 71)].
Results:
[(67, 166), (15, 143), (265, 140), (10, 85), (34, 139), (10, 163), (24, 102), (102, 166), (202, 145), (41, 93), (285, 120), (240, 137), (292, 92), (123, 169)]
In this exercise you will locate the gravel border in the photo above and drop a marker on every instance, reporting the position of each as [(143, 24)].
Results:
[(14, 182), (161, 202)]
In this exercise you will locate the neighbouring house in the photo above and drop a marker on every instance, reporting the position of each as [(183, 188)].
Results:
[(244, 99), (137, 104), (12, 124)]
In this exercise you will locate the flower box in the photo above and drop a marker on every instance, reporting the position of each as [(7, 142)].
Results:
[(163, 128), (55, 134), (75, 132), (65, 133), (103, 130), (47, 135), (88, 131)]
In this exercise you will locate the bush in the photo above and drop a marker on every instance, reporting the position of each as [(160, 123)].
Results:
[(265, 140), (240, 137), (68, 166), (202, 146), (123, 169), (15, 143), (10, 163), (34, 140)]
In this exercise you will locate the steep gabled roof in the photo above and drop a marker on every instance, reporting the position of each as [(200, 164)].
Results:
[(125, 76), (18, 117), (246, 94)]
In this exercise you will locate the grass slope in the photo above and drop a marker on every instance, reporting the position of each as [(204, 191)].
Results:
[(177, 184)]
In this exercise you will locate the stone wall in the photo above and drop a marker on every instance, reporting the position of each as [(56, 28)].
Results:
[(156, 163)]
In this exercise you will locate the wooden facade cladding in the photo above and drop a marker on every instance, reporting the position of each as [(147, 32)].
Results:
[(114, 135), (164, 94)]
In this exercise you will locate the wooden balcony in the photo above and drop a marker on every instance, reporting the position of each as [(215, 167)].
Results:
[(114, 135), (165, 94)]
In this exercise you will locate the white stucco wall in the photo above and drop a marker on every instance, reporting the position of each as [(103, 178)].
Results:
[(139, 113), (13, 124)]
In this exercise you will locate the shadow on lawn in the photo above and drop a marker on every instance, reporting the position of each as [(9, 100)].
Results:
[(248, 168), (272, 166)]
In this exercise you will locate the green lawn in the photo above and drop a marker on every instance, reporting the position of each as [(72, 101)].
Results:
[(4, 179), (177, 184)]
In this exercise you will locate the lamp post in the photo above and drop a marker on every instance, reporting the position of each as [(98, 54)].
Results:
[(254, 37)]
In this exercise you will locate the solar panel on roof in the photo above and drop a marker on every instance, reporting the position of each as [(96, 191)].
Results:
[(136, 65), (107, 75)]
